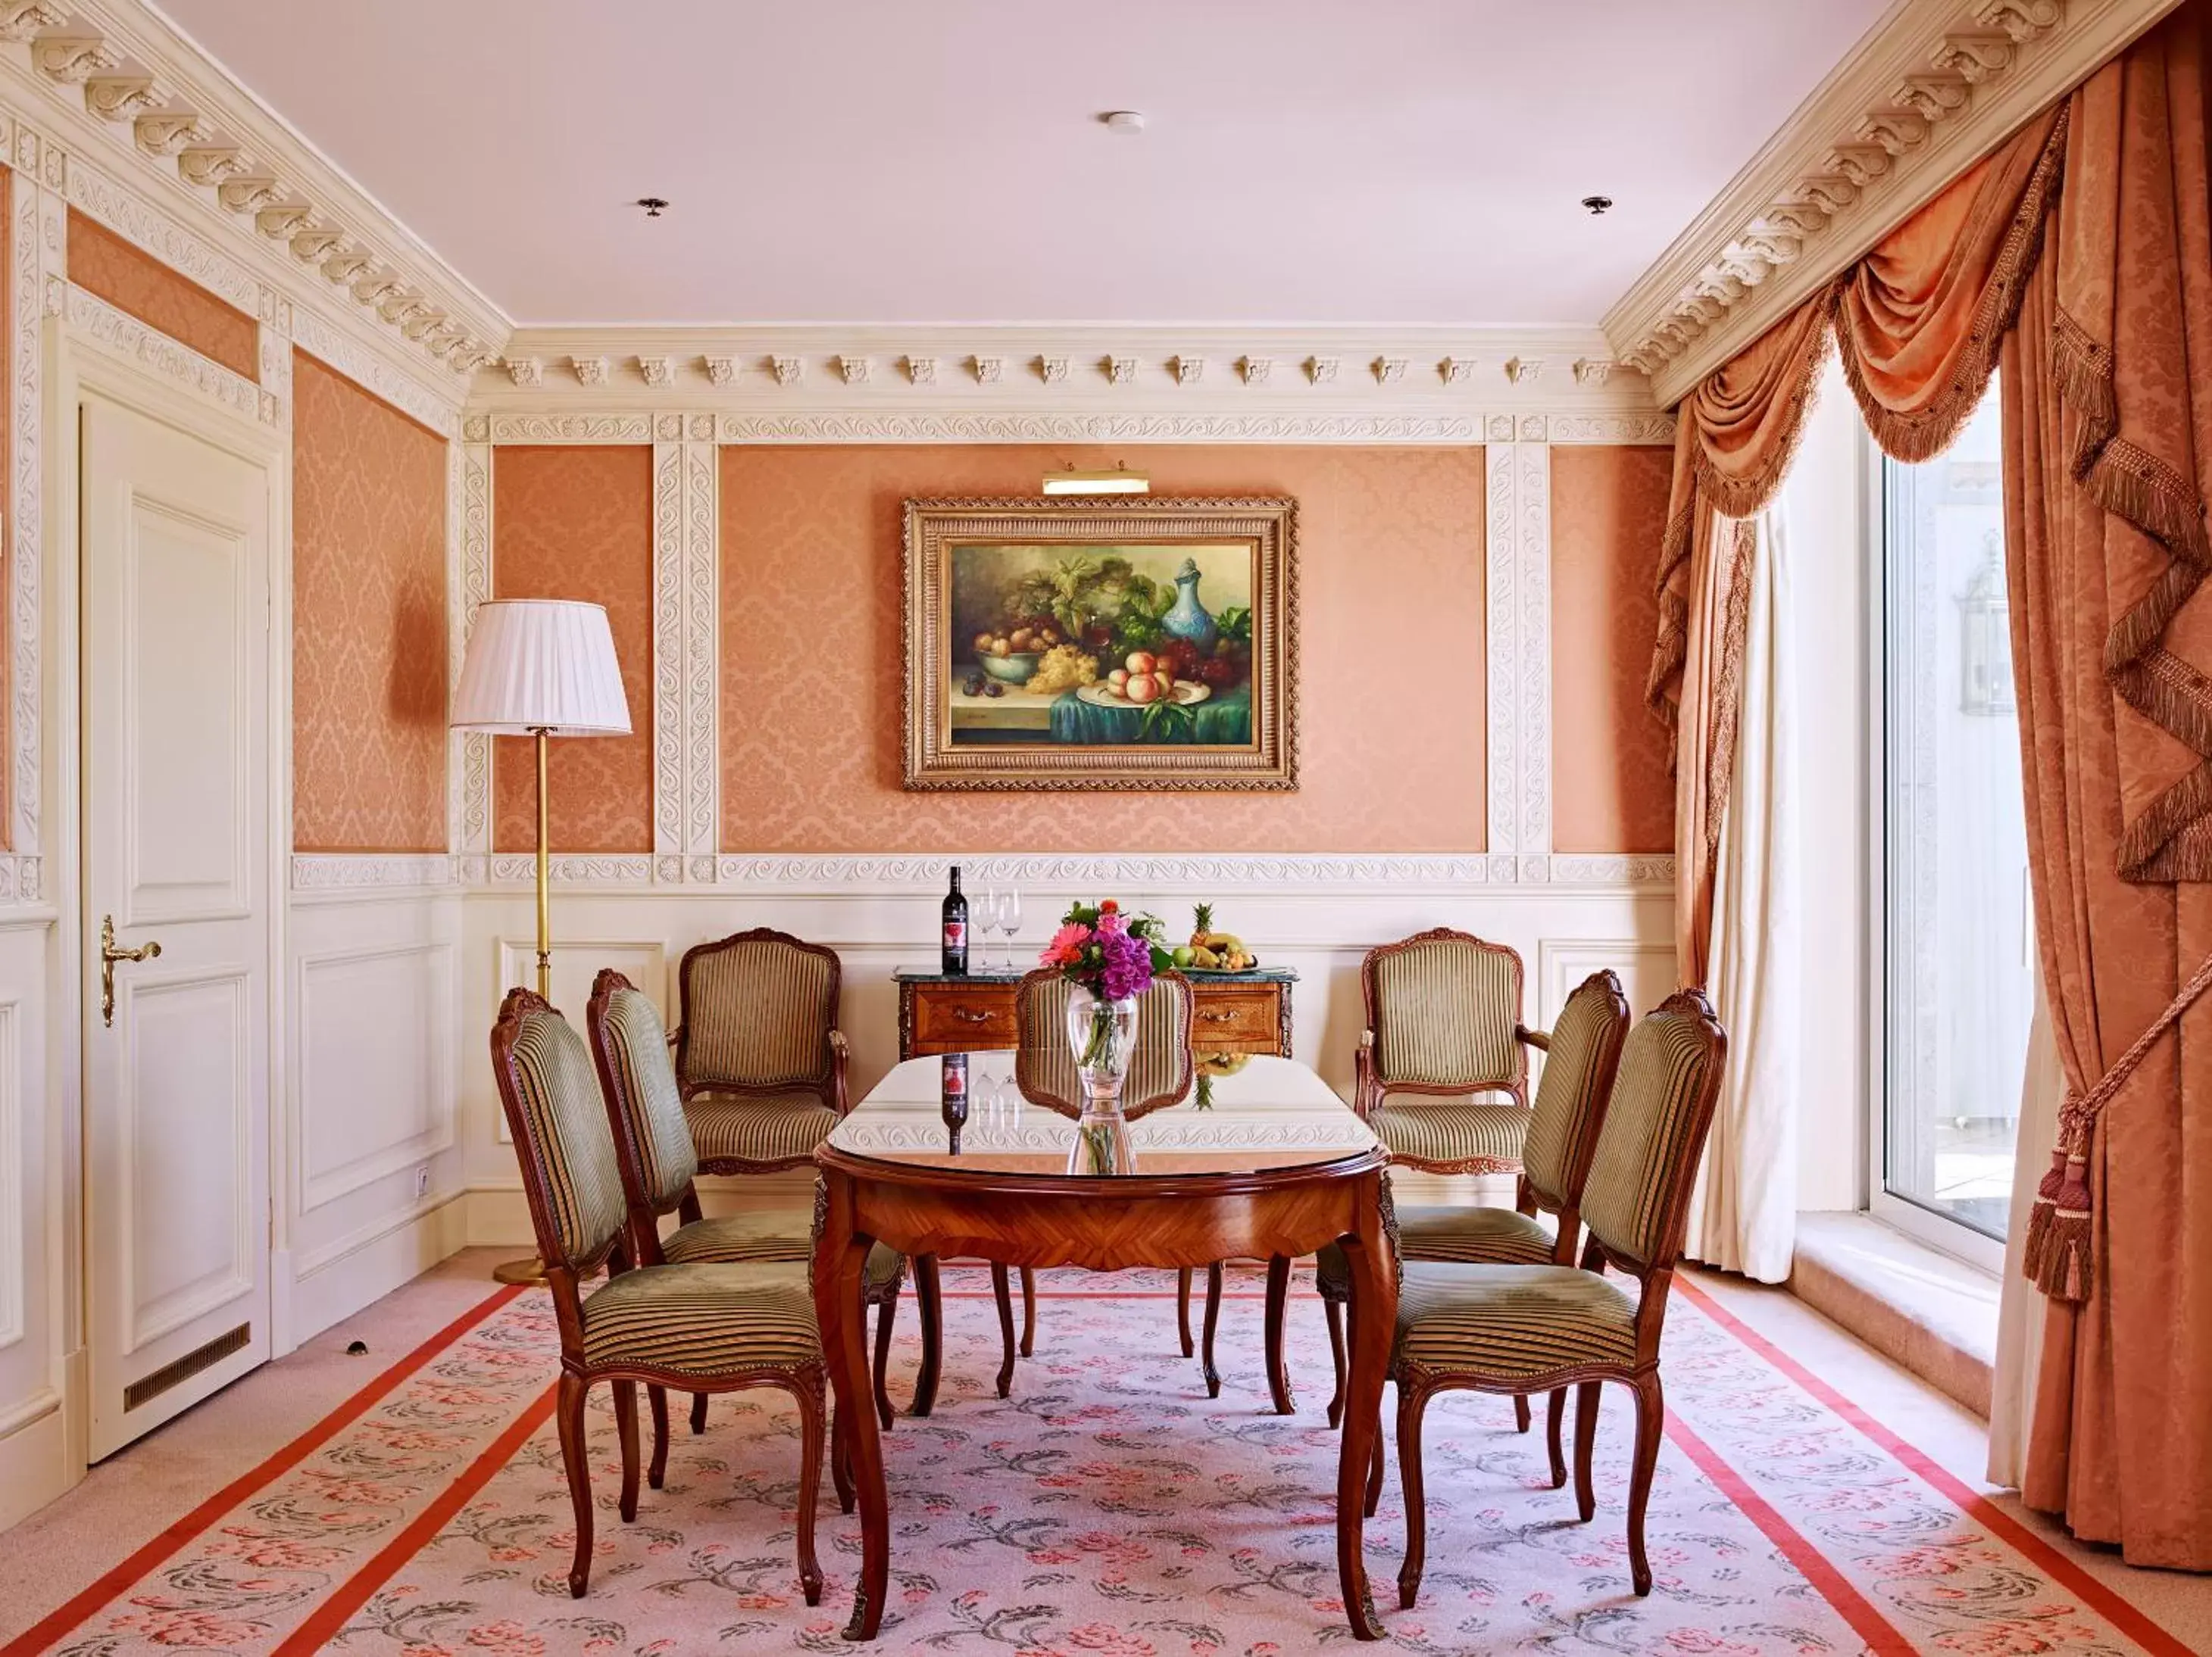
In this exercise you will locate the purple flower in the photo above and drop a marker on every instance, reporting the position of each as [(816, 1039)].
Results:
[(1127, 967)]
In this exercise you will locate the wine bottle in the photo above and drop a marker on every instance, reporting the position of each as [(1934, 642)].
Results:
[(953, 1071), (954, 952)]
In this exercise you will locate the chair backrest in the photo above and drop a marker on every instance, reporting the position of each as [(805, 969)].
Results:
[(1571, 1098), (552, 1097), (1445, 1009), (1636, 1199), (757, 1009), (644, 1105), (1160, 1069)]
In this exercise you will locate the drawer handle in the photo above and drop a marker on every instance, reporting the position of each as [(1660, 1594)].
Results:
[(971, 1015), (1213, 1017)]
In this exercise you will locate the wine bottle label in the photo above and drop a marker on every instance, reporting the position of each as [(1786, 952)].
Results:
[(955, 1080), (955, 934)]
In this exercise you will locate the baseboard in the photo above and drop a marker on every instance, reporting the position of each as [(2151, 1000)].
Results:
[(35, 1462), (364, 1268), (1921, 1310)]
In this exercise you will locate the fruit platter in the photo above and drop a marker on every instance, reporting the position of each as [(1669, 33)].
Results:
[(1141, 680), (1212, 951)]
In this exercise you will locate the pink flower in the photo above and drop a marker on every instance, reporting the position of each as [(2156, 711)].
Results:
[(507, 1638), (1066, 948)]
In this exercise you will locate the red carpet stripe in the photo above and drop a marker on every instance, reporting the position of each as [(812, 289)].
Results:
[(1851, 1604), (2107, 1603), (329, 1617), (104, 1591)]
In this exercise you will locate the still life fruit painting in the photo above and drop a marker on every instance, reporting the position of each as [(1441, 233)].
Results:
[(1074, 644)]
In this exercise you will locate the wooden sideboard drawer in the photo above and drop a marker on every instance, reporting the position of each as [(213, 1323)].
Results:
[(1239, 1019), (959, 1018)]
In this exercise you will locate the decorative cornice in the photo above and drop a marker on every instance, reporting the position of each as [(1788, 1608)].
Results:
[(1936, 87), (129, 73)]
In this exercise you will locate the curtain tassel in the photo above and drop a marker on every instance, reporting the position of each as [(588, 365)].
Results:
[(2056, 1256)]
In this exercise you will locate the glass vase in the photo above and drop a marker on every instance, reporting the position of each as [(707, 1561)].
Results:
[(1102, 1035)]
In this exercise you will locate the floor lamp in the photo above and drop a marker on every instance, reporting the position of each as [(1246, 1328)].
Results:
[(540, 668)]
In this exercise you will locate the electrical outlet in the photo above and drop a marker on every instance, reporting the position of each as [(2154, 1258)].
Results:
[(422, 1182)]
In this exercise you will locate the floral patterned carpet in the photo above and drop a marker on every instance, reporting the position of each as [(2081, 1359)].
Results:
[(1109, 1508)]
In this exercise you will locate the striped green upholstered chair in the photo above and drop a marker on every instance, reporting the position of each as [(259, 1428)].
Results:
[(653, 1144), (1443, 1023), (1583, 1051), (1160, 1073), (759, 1057), (1523, 1329), (699, 1327)]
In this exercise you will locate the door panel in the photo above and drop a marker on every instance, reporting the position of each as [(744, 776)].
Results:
[(175, 551)]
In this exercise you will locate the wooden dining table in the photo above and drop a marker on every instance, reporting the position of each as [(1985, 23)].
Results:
[(1265, 1163)]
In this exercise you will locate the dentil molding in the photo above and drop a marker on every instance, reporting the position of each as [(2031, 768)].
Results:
[(1937, 85), (119, 68)]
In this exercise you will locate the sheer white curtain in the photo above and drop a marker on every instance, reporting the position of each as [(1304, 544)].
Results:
[(2020, 1305), (1743, 1217)]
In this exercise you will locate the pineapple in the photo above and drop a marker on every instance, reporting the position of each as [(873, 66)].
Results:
[(1202, 917), (1216, 951)]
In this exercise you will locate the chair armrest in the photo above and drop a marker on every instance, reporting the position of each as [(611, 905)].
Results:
[(1536, 1039), (841, 1054), (1366, 1090)]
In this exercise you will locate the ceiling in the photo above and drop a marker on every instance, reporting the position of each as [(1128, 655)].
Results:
[(1390, 162)]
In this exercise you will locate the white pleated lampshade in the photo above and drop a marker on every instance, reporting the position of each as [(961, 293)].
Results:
[(541, 664)]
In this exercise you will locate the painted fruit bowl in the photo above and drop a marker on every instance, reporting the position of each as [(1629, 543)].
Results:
[(1187, 693), (1017, 667)]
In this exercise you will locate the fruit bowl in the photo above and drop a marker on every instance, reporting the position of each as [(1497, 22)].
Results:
[(1019, 668)]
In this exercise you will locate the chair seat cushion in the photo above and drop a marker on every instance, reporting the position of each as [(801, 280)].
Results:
[(1485, 1236), (702, 1319), (1507, 1323), (777, 1235), (774, 1127), (1452, 1133)]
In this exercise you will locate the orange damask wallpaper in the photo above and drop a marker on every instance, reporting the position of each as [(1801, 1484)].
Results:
[(577, 523), (102, 263), (368, 621), (1391, 720), (1610, 787)]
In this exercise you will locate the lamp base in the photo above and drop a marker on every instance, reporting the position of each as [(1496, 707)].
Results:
[(528, 1272)]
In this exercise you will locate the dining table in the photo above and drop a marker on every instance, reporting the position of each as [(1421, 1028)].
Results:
[(1266, 1162)]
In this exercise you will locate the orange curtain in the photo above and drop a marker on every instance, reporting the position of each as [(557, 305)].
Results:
[(2107, 402)]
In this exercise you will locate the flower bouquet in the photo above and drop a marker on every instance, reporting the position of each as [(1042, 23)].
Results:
[(1108, 957)]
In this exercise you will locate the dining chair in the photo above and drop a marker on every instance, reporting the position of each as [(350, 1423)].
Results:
[(699, 1327), (1584, 1052), (659, 1165), (1443, 1023), (1161, 1069), (759, 1062), (1523, 1329)]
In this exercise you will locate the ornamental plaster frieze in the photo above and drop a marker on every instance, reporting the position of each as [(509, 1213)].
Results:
[(1941, 84), (150, 118)]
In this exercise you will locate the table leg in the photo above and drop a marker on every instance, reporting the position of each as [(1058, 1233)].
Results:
[(841, 1257), (1374, 1313)]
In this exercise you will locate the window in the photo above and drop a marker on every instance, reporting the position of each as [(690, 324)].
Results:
[(1956, 962)]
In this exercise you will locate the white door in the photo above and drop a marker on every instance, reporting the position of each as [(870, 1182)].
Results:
[(174, 667)]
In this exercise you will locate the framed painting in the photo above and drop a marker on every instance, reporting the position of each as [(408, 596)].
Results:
[(1090, 642)]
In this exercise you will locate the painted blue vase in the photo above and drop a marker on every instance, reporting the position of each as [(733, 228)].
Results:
[(1188, 619)]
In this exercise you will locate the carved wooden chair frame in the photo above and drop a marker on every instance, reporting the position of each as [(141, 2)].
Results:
[(1418, 1384), (807, 1383), (830, 1086)]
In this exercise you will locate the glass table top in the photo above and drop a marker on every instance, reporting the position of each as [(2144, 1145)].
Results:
[(1267, 1115)]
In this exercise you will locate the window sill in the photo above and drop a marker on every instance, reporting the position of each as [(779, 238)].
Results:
[(1925, 1310)]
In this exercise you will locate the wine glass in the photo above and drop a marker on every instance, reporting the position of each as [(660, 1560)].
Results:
[(983, 915), (1010, 920)]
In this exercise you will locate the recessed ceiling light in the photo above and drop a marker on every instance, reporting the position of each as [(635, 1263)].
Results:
[(1594, 206), (1127, 122), (652, 205)]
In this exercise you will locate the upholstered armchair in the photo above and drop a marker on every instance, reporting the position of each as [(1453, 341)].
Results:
[(759, 1059), (1443, 1023), (659, 1163), (1160, 1073), (1523, 1329), (1584, 1053), (698, 1327)]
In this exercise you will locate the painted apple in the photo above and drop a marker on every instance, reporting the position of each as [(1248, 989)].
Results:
[(1118, 680), (1142, 687), (1139, 662)]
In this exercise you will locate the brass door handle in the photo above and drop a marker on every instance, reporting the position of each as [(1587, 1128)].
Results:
[(109, 955), (971, 1016), (1213, 1017)]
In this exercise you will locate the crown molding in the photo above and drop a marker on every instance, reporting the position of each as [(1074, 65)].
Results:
[(1933, 88), (119, 86), (764, 377)]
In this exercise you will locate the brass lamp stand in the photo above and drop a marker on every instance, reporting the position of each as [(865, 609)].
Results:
[(540, 668)]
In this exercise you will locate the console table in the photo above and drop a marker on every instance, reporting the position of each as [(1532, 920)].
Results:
[(1234, 1012)]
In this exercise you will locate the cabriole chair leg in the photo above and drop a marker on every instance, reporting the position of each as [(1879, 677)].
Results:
[(886, 1315), (1555, 1418), (929, 1304), (656, 1471), (1334, 1312), (698, 1413), (811, 1406), (1278, 1369), (1650, 1421), (1213, 1322), (569, 1409), (1182, 1311), (626, 1431), (1412, 1402), (1586, 1402), (1519, 1412), (1029, 1311)]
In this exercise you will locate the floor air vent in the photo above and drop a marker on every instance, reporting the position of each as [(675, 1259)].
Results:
[(171, 1374)]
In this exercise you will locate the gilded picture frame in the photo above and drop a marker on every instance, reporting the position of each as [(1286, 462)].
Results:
[(1100, 643)]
